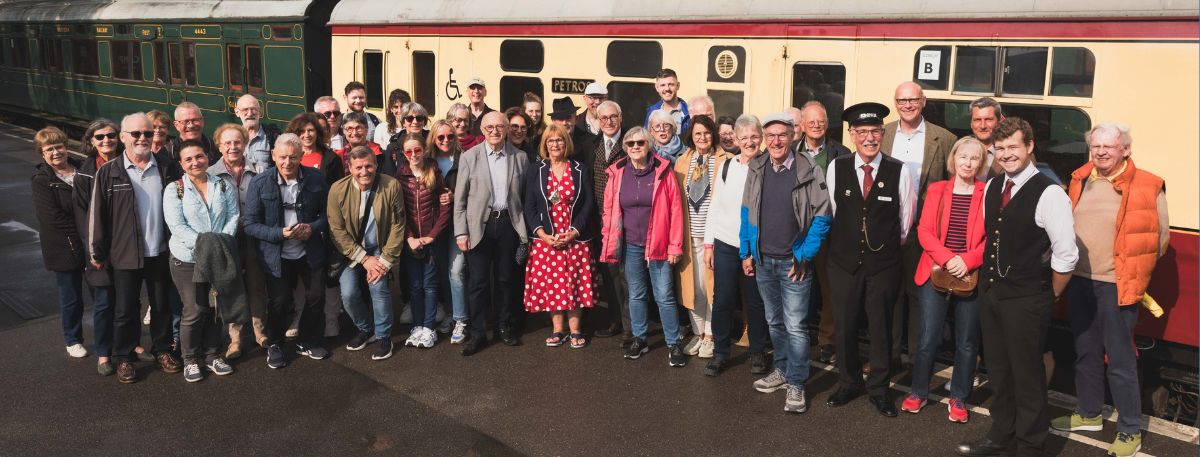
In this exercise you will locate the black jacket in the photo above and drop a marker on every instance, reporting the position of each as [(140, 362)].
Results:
[(537, 201), (58, 228), (114, 236), (331, 166)]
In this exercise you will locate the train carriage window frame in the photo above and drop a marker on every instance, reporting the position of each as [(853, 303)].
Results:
[(126, 59), (254, 69), (1072, 72), (20, 53), (281, 32), (931, 67), (51, 55), (513, 89), (235, 67), (730, 103), (84, 57), (424, 78), (1023, 71), (161, 70), (636, 95), (978, 60), (183, 63), (634, 59), (834, 98), (4, 51), (522, 56), (374, 77)]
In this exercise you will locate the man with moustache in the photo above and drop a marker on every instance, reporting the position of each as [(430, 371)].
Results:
[(127, 232), (262, 136), (1026, 216), (190, 124), (872, 198)]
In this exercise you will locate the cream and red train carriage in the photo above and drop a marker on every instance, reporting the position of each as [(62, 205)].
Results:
[(1063, 65)]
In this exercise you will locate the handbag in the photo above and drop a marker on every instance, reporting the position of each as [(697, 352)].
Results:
[(946, 283)]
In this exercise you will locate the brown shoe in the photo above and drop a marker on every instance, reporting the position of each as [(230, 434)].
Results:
[(234, 351), (126, 373), (168, 363)]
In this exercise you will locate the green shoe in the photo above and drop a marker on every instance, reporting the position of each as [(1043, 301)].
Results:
[(1126, 444), (1077, 423)]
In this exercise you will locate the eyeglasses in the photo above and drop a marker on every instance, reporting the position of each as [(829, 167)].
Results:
[(778, 136), (101, 136), (331, 114), (356, 127), (661, 128), (189, 121), (420, 119), (755, 138), (519, 128), (816, 123), (613, 118), (137, 134), (867, 132), (555, 140), (414, 151), (492, 128), (445, 137), (709, 134), (459, 120), (907, 101), (638, 143)]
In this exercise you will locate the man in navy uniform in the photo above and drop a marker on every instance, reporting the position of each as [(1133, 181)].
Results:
[(872, 197)]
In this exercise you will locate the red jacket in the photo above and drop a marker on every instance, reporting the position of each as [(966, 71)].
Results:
[(665, 235), (940, 194), (425, 216)]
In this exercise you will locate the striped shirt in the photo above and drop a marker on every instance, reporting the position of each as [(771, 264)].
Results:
[(699, 218), (956, 234)]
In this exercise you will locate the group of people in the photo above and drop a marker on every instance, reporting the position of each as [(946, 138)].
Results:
[(726, 225)]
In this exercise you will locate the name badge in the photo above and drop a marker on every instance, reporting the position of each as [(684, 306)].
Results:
[(884, 198)]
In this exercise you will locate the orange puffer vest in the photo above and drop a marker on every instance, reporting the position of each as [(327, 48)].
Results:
[(1135, 250)]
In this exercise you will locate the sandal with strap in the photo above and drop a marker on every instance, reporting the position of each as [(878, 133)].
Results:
[(556, 339), (578, 341)]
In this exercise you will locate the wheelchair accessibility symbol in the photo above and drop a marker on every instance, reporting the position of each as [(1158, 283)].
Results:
[(452, 91)]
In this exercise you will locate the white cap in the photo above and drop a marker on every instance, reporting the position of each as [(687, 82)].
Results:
[(476, 81), (594, 88)]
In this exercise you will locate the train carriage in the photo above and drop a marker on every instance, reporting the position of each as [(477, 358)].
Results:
[(1064, 66), (75, 61)]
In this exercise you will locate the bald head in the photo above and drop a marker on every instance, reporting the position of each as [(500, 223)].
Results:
[(910, 100), (814, 122), (798, 121), (249, 110), (136, 134), (702, 106)]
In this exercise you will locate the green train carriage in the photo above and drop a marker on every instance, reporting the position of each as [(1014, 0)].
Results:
[(71, 63)]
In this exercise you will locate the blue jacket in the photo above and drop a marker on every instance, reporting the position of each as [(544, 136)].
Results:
[(263, 214), (810, 200), (188, 216)]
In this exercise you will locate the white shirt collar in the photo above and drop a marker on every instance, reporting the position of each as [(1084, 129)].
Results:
[(858, 162)]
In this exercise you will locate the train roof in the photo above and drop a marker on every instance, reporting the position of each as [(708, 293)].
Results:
[(149, 10), (404, 12)]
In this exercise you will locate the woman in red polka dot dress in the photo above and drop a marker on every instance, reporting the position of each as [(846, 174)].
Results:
[(558, 275)]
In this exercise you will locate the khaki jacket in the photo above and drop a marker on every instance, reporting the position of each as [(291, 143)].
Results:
[(344, 219), (684, 279)]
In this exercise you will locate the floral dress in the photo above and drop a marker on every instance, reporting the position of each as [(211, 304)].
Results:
[(559, 279)]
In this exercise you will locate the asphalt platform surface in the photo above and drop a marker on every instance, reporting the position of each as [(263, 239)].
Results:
[(526, 400)]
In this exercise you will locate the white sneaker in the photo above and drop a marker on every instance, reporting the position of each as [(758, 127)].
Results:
[(427, 339), (460, 332), (693, 346), (146, 320), (413, 336), (291, 333), (77, 351), (706, 349)]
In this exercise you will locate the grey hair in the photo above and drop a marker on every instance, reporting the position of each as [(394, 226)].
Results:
[(638, 130), (703, 99), (414, 108), (288, 139), (455, 108), (355, 117), (1121, 129), (747, 121), (131, 116), (987, 102), (323, 99), (186, 105), (609, 103), (664, 117)]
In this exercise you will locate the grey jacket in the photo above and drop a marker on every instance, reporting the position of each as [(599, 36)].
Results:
[(217, 263), (473, 192), (810, 199)]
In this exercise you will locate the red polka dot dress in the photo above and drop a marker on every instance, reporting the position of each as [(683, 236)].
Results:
[(559, 279)]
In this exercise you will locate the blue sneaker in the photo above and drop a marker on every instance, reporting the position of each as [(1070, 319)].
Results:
[(275, 358)]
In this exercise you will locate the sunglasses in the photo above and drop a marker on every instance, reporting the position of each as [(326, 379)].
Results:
[(137, 135), (414, 151), (332, 114), (101, 136), (420, 119), (445, 137), (638, 143)]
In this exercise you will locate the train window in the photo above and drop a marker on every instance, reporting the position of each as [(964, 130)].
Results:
[(160, 62), (727, 102), (1057, 131), (51, 52), (1024, 71), (183, 63), (20, 49), (526, 56), (254, 69), (825, 83), (1073, 72), (975, 70), (236, 66), (127, 60), (83, 55), (4, 52), (372, 77), (931, 67), (513, 89), (281, 32), (634, 97), (424, 80), (639, 59)]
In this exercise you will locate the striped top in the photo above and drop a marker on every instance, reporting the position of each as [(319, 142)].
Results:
[(956, 234), (698, 219)]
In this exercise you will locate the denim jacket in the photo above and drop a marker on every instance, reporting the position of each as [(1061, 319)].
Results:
[(188, 216)]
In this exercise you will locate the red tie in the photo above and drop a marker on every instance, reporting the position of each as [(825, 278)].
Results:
[(1008, 185), (867, 180)]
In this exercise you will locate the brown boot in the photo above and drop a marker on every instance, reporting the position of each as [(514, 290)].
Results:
[(260, 333), (169, 363), (235, 342), (126, 373)]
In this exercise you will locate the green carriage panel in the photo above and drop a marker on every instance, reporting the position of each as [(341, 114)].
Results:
[(104, 54), (210, 66), (284, 67)]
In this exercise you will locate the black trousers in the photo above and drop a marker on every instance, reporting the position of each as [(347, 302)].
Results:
[(127, 319), (855, 296), (905, 315), (281, 306), (1014, 335), (730, 287), (493, 260), (615, 292)]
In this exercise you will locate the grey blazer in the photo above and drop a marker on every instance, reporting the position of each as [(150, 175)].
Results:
[(473, 192)]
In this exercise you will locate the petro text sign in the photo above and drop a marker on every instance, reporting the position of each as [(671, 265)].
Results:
[(569, 86)]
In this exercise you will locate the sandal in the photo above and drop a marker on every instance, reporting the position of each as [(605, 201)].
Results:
[(578, 341), (556, 339)]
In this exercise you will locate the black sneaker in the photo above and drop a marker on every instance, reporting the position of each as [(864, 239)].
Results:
[(675, 356), (384, 350), (636, 348), (360, 341), (715, 366), (758, 363), (275, 358), (826, 354), (313, 351)]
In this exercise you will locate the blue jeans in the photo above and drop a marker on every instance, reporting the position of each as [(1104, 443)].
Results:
[(422, 289), (377, 319), (1102, 328), (932, 311), (641, 276), (452, 268), (786, 304), (70, 305)]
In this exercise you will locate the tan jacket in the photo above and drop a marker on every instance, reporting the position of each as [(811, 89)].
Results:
[(345, 198), (683, 270)]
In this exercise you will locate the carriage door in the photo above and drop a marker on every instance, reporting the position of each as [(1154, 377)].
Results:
[(819, 58), (725, 79)]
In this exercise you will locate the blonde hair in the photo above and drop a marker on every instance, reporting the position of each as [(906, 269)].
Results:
[(555, 130), (424, 163), (48, 136), (967, 141), (231, 126)]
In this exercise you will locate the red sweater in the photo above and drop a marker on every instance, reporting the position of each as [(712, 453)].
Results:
[(941, 194)]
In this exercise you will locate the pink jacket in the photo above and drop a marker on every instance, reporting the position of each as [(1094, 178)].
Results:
[(665, 235), (932, 240)]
